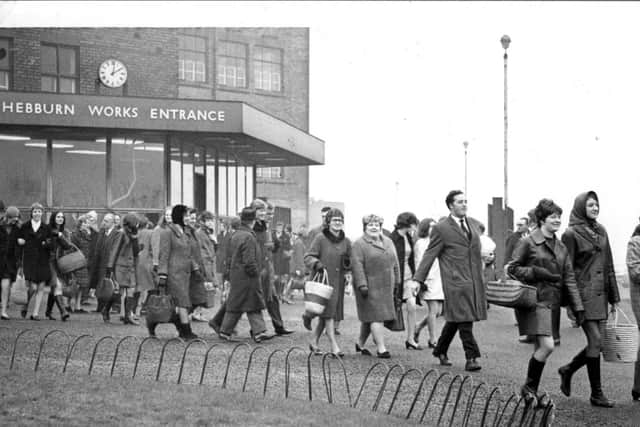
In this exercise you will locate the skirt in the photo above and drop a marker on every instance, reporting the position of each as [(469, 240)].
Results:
[(536, 321)]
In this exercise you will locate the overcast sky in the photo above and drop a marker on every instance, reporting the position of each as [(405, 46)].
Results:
[(397, 87)]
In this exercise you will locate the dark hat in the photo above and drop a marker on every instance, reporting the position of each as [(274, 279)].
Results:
[(131, 221), (177, 214), (248, 214)]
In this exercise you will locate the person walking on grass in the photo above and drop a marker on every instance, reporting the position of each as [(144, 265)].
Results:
[(590, 254), (455, 243), (330, 251), (9, 255), (59, 243), (543, 261)]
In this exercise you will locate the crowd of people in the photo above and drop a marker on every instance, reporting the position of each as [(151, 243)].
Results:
[(250, 265)]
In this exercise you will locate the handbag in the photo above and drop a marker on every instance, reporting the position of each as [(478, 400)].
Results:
[(72, 261), (70, 287), (396, 324), (620, 340), (106, 290), (19, 291), (317, 293), (511, 293), (159, 306)]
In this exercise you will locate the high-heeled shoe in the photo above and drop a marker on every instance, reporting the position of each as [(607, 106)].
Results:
[(35, 317), (315, 350), (362, 351), (50, 316), (4, 316), (384, 355), (410, 346), (432, 344)]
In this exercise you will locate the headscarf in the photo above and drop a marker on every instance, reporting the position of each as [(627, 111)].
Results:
[(177, 214), (578, 215)]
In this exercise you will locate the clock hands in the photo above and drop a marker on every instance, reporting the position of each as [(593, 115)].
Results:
[(116, 71)]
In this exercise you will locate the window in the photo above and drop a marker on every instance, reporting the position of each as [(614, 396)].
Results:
[(267, 68), (59, 67), (232, 64), (79, 172), (192, 58), (5, 64), (269, 172)]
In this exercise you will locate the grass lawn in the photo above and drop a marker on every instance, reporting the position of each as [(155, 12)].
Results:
[(36, 399)]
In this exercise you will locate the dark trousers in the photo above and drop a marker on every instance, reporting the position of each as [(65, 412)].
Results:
[(219, 316), (471, 350), (273, 308), (255, 320)]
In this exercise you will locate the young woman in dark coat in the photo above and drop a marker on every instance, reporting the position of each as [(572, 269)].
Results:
[(36, 240), (60, 243), (543, 261), (590, 254), (9, 255)]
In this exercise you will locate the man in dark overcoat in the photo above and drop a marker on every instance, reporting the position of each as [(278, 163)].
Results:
[(455, 242), (100, 259), (243, 271)]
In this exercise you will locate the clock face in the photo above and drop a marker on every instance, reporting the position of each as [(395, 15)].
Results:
[(112, 73)]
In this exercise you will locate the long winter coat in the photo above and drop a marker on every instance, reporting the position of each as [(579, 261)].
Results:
[(375, 265), (283, 254), (36, 252), (633, 267), (208, 252), (535, 250), (100, 259), (144, 270), (60, 245), (243, 269), (82, 240), (177, 261), (267, 248), (123, 259), (9, 251), (197, 291), (592, 261), (465, 298), (334, 252), (398, 243)]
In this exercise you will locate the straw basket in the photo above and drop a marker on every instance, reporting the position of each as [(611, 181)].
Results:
[(317, 293), (620, 341), (511, 293)]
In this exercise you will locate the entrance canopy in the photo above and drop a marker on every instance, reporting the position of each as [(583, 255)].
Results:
[(234, 129)]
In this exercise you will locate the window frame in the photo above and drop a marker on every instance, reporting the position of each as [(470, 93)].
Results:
[(280, 64), (57, 76), (9, 68), (270, 175), (204, 62), (245, 59)]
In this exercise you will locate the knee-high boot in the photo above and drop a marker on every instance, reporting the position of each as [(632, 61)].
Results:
[(106, 311), (567, 371), (597, 396), (50, 302), (64, 314), (635, 391), (129, 305), (534, 372)]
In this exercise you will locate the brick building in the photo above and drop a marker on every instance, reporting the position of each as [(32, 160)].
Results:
[(139, 118)]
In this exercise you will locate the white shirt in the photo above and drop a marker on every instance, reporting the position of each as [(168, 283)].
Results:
[(36, 225)]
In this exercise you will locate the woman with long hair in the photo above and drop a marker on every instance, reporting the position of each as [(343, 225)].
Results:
[(376, 274), (543, 261), (433, 296), (590, 254), (330, 251), (9, 229), (60, 243)]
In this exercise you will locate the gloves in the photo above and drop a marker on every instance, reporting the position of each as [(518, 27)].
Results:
[(109, 272), (364, 291), (162, 281), (318, 266), (579, 317), (542, 273)]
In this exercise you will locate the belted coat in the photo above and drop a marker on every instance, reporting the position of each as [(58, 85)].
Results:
[(243, 263), (465, 297), (177, 261)]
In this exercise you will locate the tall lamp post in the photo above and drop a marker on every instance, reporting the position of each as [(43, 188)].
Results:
[(505, 40), (466, 145)]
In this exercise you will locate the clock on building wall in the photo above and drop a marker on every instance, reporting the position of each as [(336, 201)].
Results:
[(112, 73)]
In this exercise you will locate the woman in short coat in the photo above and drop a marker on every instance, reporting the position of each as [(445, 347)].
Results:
[(9, 255), (376, 273), (590, 254), (542, 260), (123, 261), (633, 267)]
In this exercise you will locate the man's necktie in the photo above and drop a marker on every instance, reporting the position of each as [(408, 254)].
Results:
[(465, 229)]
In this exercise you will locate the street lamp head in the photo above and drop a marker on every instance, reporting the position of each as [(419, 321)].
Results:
[(505, 40)]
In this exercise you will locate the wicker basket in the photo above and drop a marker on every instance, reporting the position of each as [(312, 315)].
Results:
[(620, 341), (511, 293)]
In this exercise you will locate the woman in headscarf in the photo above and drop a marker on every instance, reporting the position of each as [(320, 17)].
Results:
[(176, 264), (376, 274), (590, 254), (543, 261), (330, 251), (633, 266)]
